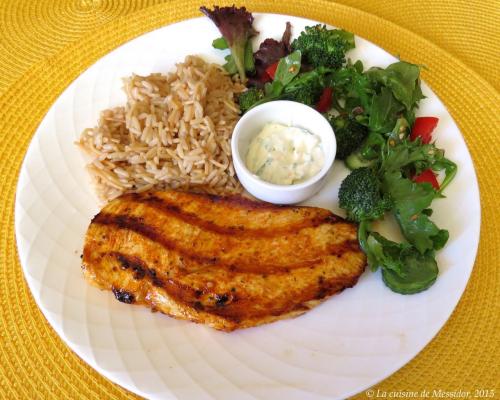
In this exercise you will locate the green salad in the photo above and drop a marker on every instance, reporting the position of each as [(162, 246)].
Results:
[(394, 163)]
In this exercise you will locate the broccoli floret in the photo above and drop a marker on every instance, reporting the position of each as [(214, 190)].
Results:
[(324, 47), (361, 197), (304, 88), (248, 98), (349, 134), (235, 25)]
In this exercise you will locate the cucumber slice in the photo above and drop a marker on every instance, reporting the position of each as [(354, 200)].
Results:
[(355, 161)]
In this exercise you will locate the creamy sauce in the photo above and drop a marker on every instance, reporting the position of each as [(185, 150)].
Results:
[(285, 155)]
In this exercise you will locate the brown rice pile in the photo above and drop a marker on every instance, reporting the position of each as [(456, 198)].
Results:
[(174, 132)]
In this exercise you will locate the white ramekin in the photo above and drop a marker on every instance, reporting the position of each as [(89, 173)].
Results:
[(287, 113)]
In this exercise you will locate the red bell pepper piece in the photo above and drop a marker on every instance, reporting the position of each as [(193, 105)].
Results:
[(325, 100), (423, 127), (427, 176), (264, 78), (271, 70)]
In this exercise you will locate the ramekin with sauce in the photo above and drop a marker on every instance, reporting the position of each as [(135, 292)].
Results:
[(283, 151)]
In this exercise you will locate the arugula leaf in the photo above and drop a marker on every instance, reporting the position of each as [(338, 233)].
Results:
[(362, 90), (411, 202), (406, 153), (403, 80), (358, 66), (410, 198), (417, 96), (351, 84), (384, 111), (386, 254), (450, 169), (422, 232), (372, 146)]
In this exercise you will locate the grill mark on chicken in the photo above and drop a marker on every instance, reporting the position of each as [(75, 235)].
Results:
[(141, 270), (134, 263), (166, 207), (238, 202), (123, 295), (138, 226)]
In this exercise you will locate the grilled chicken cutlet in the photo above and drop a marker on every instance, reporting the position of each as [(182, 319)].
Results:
[(228, 262)]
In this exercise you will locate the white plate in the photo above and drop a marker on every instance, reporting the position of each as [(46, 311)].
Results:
[(340, 348)]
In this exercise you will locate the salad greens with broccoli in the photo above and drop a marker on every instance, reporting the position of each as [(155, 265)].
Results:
[(393, 161)]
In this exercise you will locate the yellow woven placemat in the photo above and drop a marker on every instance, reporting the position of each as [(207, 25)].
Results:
[(35, 363)]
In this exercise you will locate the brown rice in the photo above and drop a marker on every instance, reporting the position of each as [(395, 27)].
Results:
[(174, 132)]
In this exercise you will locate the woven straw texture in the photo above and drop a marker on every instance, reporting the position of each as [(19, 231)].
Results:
[(44, 45)]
